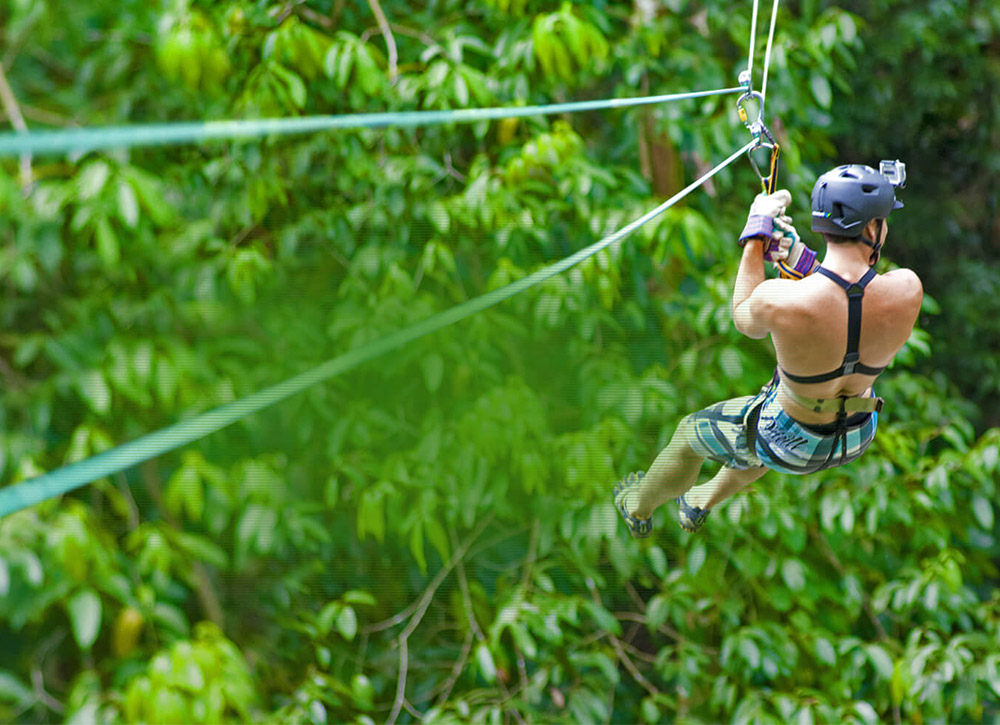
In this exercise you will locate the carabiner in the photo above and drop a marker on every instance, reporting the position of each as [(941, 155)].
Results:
[(770, 182), (757, 127)]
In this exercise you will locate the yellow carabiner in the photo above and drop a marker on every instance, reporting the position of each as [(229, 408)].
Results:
[(770, 182)]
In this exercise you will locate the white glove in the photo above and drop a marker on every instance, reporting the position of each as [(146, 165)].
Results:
[(783, 237), (787, 252), (763, 211), (772, 205)]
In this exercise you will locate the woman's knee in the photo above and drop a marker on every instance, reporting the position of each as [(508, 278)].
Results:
[(685, 437)]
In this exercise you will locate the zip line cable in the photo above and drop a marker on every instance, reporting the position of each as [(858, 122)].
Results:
[(68, 478), (767, 52), (81, 140)]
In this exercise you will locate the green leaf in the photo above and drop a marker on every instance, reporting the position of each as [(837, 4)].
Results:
[(881, 660), (256, 530), (657, 611), (185, 492), (95, 391), (202, 549), (793, 573), (13, 690), (166, 380), (358, 596), (371, 514), (296, 86), (825, 652), (92, 179), (128, 204), (658, 561), (432, 367), (731, 364), (84, 609), (363, 692), (866, 712), (750, 652), (327, 616), (605, 619), (897, 685), (484, 659), (347, 623), (438, 537), (369, 75), (107, 243), (417, 545), (821, 89), (650, 712), (438, 215), (461, 89), (983, 511)]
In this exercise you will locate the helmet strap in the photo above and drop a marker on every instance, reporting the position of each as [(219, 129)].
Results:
[(876, 246)]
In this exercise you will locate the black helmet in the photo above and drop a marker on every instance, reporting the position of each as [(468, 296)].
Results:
[(845, 199)]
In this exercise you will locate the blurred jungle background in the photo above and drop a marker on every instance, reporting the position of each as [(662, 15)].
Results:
[(430, 536)]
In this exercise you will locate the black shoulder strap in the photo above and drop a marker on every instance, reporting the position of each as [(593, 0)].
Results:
[(855, 293)]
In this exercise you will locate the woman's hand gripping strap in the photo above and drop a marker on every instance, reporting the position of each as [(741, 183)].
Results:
[(763, 211), (793, 259)]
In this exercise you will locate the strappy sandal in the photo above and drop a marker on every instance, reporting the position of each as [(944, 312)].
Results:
[(690, 517), (639, 528)]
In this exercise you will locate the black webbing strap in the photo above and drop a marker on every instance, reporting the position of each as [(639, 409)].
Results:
[(852, 359)]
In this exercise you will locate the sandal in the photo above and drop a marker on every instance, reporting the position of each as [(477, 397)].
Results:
[(639, 528), (690, 517)]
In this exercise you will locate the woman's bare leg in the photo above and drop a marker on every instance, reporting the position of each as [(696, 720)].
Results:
[(726, 483), (673, 472)]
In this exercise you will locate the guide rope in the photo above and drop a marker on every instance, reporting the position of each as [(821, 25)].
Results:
[(82, 140), (68, 478)]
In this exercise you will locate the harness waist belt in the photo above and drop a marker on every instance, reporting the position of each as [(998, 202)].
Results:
[(842, 404)]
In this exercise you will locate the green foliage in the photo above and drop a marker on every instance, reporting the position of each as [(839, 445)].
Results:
[(445, 510)]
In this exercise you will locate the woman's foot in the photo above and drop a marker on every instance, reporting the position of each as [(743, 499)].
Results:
[(639, 528), (690, 517)]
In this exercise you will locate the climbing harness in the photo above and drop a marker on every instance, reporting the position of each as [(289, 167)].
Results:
[(842, 405)]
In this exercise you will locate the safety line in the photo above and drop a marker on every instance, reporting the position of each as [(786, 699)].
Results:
[(160, 134), (753, 40), (63, 480), (767, 53)]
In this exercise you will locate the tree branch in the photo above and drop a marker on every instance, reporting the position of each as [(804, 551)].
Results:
[(835, 562), (420, 610), (13, 111), (619, 650), (390, 40)]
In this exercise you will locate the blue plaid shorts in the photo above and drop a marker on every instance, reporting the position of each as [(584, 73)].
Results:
[(754, 430)]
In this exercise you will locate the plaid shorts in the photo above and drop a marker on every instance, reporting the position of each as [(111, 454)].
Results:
[(753, 431)]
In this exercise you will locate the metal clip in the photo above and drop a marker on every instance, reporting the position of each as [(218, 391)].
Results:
[(762, 139), (767, 183), (756, 127)]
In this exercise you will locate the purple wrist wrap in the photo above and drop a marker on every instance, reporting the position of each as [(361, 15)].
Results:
[(802, 267), (757, 226)]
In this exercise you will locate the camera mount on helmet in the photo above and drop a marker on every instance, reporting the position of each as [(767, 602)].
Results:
[(894, 171)]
